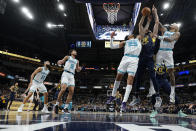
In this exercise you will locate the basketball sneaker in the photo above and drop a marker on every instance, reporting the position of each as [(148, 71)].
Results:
[(181, 114), (172, 97), (45, 110), (153, 114), (123, 107), (110, 99), (19, 109), (158, 102)]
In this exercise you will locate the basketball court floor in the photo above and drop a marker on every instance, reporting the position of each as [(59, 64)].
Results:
[(86, 121)]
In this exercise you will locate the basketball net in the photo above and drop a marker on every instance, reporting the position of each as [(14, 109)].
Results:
[(112, 11)]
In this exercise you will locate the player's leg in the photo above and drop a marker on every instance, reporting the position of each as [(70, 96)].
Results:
[(138, 78), (131, 70), (155, 83), (42, 89), (68, 103), (64, 84), (118, 79), (169, 62), (151, 89), (128, 91), (26, 98), (121, 71), (9, 105), (30, 102), (167, 89)]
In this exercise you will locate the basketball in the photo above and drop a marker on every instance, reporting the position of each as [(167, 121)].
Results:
[(146, 11)]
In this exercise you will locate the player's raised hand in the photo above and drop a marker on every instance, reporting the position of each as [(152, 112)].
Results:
[(112, 34), (154, 10)]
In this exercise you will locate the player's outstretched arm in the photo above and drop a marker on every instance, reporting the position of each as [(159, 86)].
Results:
[(148, 23), (60, 62), (78, 68), (141, 28), (156, 26), (39, 69), (162, 28), (115, 46), (174, 37)]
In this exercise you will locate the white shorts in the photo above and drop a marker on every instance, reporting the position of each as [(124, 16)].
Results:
[(128, 65), (36, 85), (68, 79), (166, 57)]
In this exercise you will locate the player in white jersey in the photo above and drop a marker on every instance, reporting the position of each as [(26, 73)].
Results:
[(36, 82), (165, 53), (129, 63), (67, 78)]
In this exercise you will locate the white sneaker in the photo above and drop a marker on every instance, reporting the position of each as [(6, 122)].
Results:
[(158, 102), (45, 110), (172, 97), (150, 94), (19, 109)]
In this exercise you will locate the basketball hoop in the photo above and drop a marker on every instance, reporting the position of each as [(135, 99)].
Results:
[(112, 11)]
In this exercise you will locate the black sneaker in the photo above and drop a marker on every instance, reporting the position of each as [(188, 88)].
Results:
[(56, 109)]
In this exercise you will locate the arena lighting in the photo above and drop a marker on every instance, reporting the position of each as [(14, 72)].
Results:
[(23, 80), (16, 1), (83, 87), (64, 14), (26, 11), (183, 72), (61, 7), (192, 61), (166, 5), (50, 25), (2, 74), (10, 77), (161, 14), (192, 84), (19, 56), (97, 87), (180, 85)]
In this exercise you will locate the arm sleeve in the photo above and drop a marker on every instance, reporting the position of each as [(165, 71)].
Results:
[(113, 46)]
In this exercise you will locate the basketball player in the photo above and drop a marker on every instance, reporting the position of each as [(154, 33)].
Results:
[(146, 57), (161, 76), (132, 47), (36, 82), (67, 78), (13, 89), (165, 53)]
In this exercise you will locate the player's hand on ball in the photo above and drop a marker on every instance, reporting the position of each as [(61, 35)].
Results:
[(154, 10), (112, 34)]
